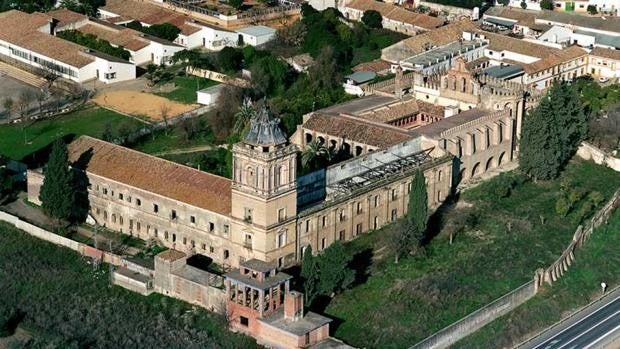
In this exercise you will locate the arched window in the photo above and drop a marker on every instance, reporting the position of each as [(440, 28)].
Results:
[(250, 176)]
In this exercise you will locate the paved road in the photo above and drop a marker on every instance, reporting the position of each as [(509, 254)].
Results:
[(588, 329)]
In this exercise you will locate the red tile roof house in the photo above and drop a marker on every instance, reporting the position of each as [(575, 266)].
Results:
[(144, 49), (193, 34), (29, 38)]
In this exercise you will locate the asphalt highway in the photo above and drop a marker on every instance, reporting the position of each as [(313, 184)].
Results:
[(589, 329)]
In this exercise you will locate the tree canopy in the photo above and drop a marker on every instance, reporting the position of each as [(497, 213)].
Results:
[(372, 19), (56, 192), (327, 273), (546, 4), (552, 132)]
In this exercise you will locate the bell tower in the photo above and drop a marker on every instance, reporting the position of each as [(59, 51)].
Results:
[(264, 195)]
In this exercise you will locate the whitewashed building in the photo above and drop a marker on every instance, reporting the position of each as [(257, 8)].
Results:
[(29, 39)]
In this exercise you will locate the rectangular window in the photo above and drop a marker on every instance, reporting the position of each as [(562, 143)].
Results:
[(376, 200), (120, 196), (226, 229), (341, 216), (173, 214), (129, 199), (138, 226), (184, 241), (323, 244), (192, 219), (105, 191), (244, 321), (341, 235), (394, 196), (324, 221), (394, 215), (358, 229), (155, 208), (211, 227), (307, 225), (359, 207), (248, 215), (281, 215), (138, 202), (211, 249)]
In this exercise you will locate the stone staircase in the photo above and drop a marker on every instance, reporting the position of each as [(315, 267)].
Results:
[(21, 75)]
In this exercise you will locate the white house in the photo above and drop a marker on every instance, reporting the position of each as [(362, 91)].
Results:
[(604, 62), (256, 35), (143, 48), (29, 39)]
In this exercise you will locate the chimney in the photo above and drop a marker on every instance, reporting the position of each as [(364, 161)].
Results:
[(294, 305)]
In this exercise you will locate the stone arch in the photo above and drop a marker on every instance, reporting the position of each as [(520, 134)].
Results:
[(346, 148), (475, 170), (462, 174), (508, 106), (358, 150), (333, 144), (321, 139), (489, 164), (309, 138), (500, 159)]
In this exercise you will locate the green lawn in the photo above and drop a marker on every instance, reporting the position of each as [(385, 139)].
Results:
[(63, 301), (598, 261), (177, 137), (400, 304), (92, 121), (187, 86)]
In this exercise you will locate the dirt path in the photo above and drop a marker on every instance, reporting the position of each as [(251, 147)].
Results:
[(189, 150)]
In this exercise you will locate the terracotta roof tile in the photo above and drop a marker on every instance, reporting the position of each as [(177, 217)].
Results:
[(400, 109), (162, 177), (119, 36), (555, 58), (397, 13), (22, 29), (66, 17), (378, 65), (606, 53), (361, 131)]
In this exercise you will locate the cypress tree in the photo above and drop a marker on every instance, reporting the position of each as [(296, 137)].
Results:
[(417, 212), (552, 132), (309, 275), (56, 193), (334, 271)]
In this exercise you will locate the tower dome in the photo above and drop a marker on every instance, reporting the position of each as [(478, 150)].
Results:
[(265, 130)]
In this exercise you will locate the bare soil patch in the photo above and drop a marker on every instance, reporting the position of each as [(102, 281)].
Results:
[(142, 104)]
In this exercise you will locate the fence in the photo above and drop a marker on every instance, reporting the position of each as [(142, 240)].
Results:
[(83, 249), (476, 320)]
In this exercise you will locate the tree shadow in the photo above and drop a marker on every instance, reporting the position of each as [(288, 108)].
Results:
[(437, 219), (361, 263)]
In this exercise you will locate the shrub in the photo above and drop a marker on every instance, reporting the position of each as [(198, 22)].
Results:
[(372, 19)]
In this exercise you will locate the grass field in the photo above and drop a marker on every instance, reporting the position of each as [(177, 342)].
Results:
[(62, 301), (598, 261), (187, 86), (176, 137), (92, 121), (400, 304)]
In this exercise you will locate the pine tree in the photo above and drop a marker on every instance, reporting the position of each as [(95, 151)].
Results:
[(309, 275), (56, 193), (417, 212)]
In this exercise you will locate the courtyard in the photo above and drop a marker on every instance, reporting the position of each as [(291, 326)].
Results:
[(12, 89)]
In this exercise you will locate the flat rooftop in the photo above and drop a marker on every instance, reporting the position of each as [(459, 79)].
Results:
[(504, 71), (247, 280), (299, 327), (257, 30)]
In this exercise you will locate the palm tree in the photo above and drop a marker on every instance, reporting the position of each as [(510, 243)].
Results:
[(316, 151), (243, 116)]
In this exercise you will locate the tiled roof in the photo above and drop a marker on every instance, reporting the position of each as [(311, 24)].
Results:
[(498, 42), (397, 13), (608, 23), (523, 17), (360, 131), (606, 53), (22, 29), (419, 43), (376, 66), (436, 128), (120, 36), (152, 14), (401, 109), (555, 58), (149, 173), (66, 17)]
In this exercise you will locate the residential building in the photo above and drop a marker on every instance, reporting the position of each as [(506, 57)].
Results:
[(29, 40), (193, 34), (604, 62), (394, 17), (609, 7), (144, 49)]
